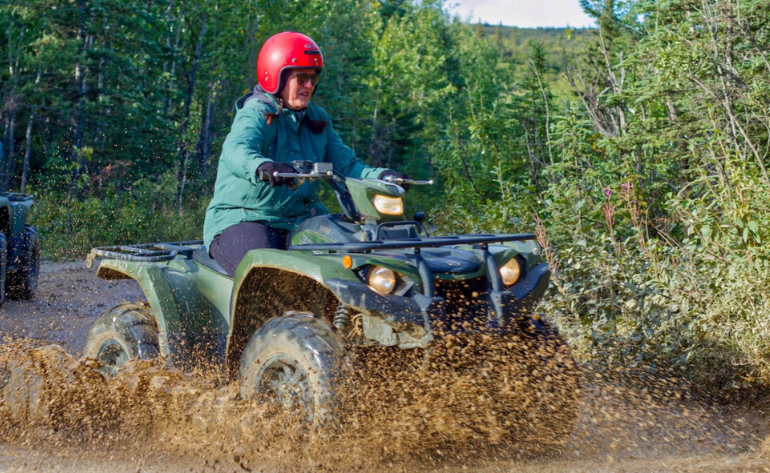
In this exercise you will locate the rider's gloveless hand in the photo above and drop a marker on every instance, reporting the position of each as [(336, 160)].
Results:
[(266, 171), (395, 175)]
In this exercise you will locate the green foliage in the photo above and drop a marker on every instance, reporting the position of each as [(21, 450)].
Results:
[(649, 189), (146, 212)]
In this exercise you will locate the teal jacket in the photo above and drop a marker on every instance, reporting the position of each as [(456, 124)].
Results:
[(239, 195)]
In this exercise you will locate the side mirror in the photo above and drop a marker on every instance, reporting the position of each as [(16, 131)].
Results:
[(420, 217)]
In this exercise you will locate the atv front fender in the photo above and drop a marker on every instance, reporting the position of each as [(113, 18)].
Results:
[(316, 267)]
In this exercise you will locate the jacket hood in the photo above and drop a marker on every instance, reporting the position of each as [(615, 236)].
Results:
[(257, 94)]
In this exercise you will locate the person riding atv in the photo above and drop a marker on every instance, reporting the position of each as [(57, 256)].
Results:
[(295, 297), (275, 125)]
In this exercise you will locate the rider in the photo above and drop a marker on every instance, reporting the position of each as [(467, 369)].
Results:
[(273, 126)]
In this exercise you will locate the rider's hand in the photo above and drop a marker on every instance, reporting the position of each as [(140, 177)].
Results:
[(395, 175), (265, 172)]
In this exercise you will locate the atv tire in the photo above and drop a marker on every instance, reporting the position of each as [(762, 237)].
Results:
[(3, 266), (125, 332), (22, 282), (295, 361)]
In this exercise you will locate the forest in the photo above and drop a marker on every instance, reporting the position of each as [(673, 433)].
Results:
[(637, 151)]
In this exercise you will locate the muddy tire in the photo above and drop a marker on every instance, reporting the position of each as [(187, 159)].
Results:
[(3, 266), (125, 332), (295, 361), (22, 282)]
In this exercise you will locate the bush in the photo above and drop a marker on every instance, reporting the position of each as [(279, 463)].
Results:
[(146, 212)]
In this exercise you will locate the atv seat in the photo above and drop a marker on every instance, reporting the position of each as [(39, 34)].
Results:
[(201, 256)]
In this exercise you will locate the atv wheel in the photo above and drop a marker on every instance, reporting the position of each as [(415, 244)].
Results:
[(3, 266), (296, 362), (22, 282), (125, 332)]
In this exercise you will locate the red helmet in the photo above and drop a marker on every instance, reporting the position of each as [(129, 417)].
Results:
[(284, 51)]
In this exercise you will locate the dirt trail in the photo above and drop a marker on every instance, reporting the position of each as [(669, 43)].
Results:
[(195, 425), (70, 297)]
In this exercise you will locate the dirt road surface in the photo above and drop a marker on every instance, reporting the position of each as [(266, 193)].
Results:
[(70, 297), (620, 429)]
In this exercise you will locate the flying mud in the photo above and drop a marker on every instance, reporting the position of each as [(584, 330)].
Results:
[(470, 402)]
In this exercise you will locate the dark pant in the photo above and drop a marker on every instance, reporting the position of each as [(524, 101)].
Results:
[(230, 246)]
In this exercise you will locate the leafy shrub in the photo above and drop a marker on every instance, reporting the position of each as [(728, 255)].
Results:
[(147, 212)]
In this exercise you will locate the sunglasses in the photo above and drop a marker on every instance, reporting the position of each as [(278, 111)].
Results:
[(302, 78)]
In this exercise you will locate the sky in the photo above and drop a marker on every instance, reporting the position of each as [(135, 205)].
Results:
[(522, 13)]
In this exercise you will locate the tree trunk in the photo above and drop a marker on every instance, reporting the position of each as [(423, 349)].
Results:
[(170, 85), (205, 136), (27, 151), (80, 88), (183, 155)]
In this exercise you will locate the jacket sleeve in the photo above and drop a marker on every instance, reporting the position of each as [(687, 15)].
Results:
[(244, 146), (344, 159)]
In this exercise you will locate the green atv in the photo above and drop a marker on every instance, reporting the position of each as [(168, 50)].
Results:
[(282, 326), (19, 248)]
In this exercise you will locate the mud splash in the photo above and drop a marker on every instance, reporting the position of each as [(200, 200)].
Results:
[(470, 402), (466, 399), (403, 412), (464, 405)]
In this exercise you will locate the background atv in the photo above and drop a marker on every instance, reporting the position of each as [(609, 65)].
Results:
[(19, 248), (283, 325)]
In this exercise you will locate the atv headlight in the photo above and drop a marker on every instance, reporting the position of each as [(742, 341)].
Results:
[(382, 280), (510, 272), (389, 205)]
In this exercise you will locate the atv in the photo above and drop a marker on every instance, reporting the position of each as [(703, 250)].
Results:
[(19, 248), (282, 326)]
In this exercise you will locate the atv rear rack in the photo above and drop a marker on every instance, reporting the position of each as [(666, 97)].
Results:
[(417, 243), (146, 252), (16, 197)]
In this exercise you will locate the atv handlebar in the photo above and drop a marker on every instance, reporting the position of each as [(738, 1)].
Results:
[(329, 174), (311, 175), (411, 182)]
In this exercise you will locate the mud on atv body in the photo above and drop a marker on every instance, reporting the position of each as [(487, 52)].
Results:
[(282, 324), (19, 248)]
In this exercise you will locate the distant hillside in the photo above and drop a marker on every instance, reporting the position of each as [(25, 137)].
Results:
[(560, 45)]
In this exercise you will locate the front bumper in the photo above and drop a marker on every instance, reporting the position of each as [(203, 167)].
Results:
[(410, 321)]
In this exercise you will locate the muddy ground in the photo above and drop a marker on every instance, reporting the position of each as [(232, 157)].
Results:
[(623, 425), (69, 299)]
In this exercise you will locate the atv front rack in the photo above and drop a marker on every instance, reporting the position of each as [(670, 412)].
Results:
[(427, 276), (145, 253), (428, 242)]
